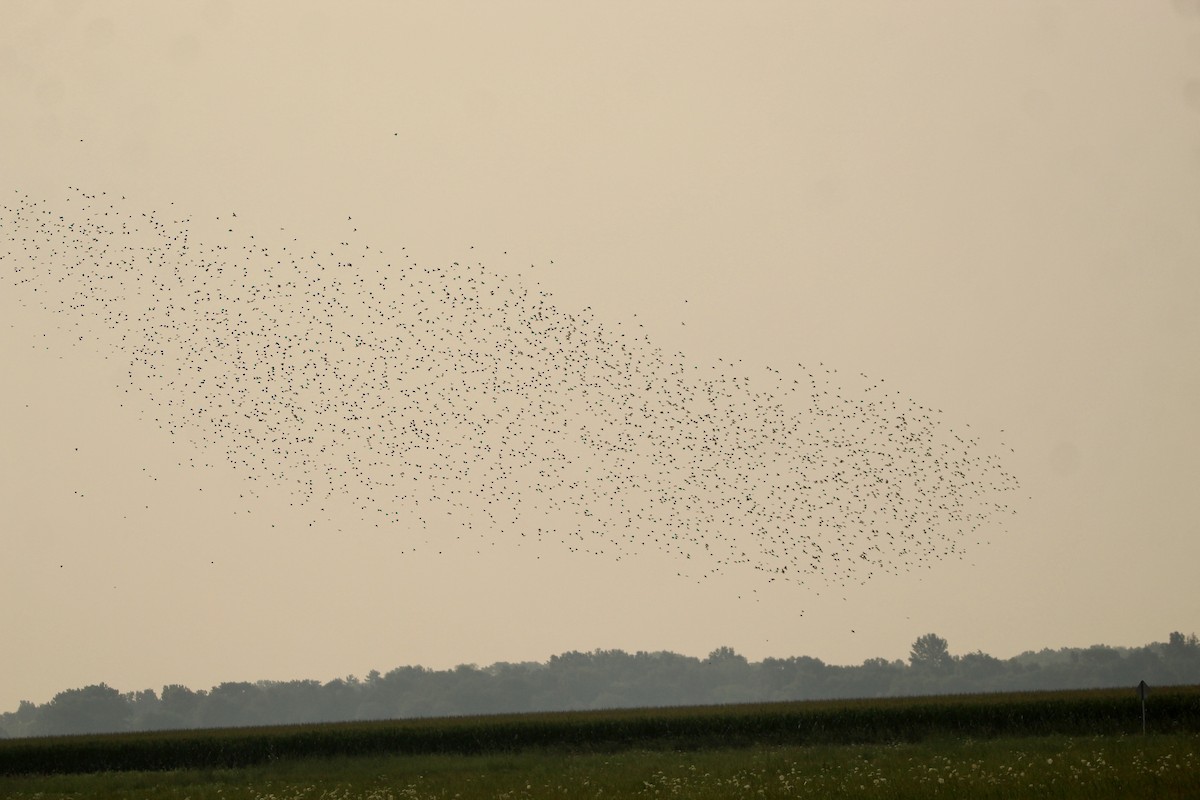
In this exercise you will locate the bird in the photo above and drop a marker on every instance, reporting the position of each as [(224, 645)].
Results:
[(340, 373)]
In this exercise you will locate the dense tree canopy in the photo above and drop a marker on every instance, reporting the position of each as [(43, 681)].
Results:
[(601, 679)]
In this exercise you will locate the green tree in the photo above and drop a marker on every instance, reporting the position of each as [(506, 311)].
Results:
[(92, 709), (726, 655), (930, 652), (980, 667), (180, 706), (1178, 643)]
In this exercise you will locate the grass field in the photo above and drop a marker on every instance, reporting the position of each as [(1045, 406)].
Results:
[(937, 757), (1165, 766)]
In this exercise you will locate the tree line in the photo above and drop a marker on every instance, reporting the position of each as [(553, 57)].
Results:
[(601, 679)]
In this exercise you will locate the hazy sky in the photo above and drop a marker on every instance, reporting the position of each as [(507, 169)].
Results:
[(994, 208)]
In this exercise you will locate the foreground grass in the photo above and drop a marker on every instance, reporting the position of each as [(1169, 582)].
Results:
[(1160, 766)]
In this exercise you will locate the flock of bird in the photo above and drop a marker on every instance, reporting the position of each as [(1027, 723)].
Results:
[(343, 375)]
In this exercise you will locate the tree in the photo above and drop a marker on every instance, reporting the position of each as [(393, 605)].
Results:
[(180, 706), (1181, 658), (930, 652), (980, 667), (1177, 642), (229, 704), (92, 709), (726, 655)]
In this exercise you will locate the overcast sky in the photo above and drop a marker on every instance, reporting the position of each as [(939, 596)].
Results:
[(993, 207)]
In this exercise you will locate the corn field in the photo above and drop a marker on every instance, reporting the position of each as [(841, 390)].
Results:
[(1174, 710)]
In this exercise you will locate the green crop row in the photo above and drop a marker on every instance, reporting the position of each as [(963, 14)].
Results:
[(1097, 712)]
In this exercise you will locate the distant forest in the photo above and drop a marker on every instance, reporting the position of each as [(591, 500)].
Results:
[(602, 679)]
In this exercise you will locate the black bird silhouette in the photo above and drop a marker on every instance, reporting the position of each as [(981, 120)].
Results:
[(342, 375)]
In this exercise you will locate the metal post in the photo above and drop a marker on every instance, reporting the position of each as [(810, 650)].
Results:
[(1142, 694)]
